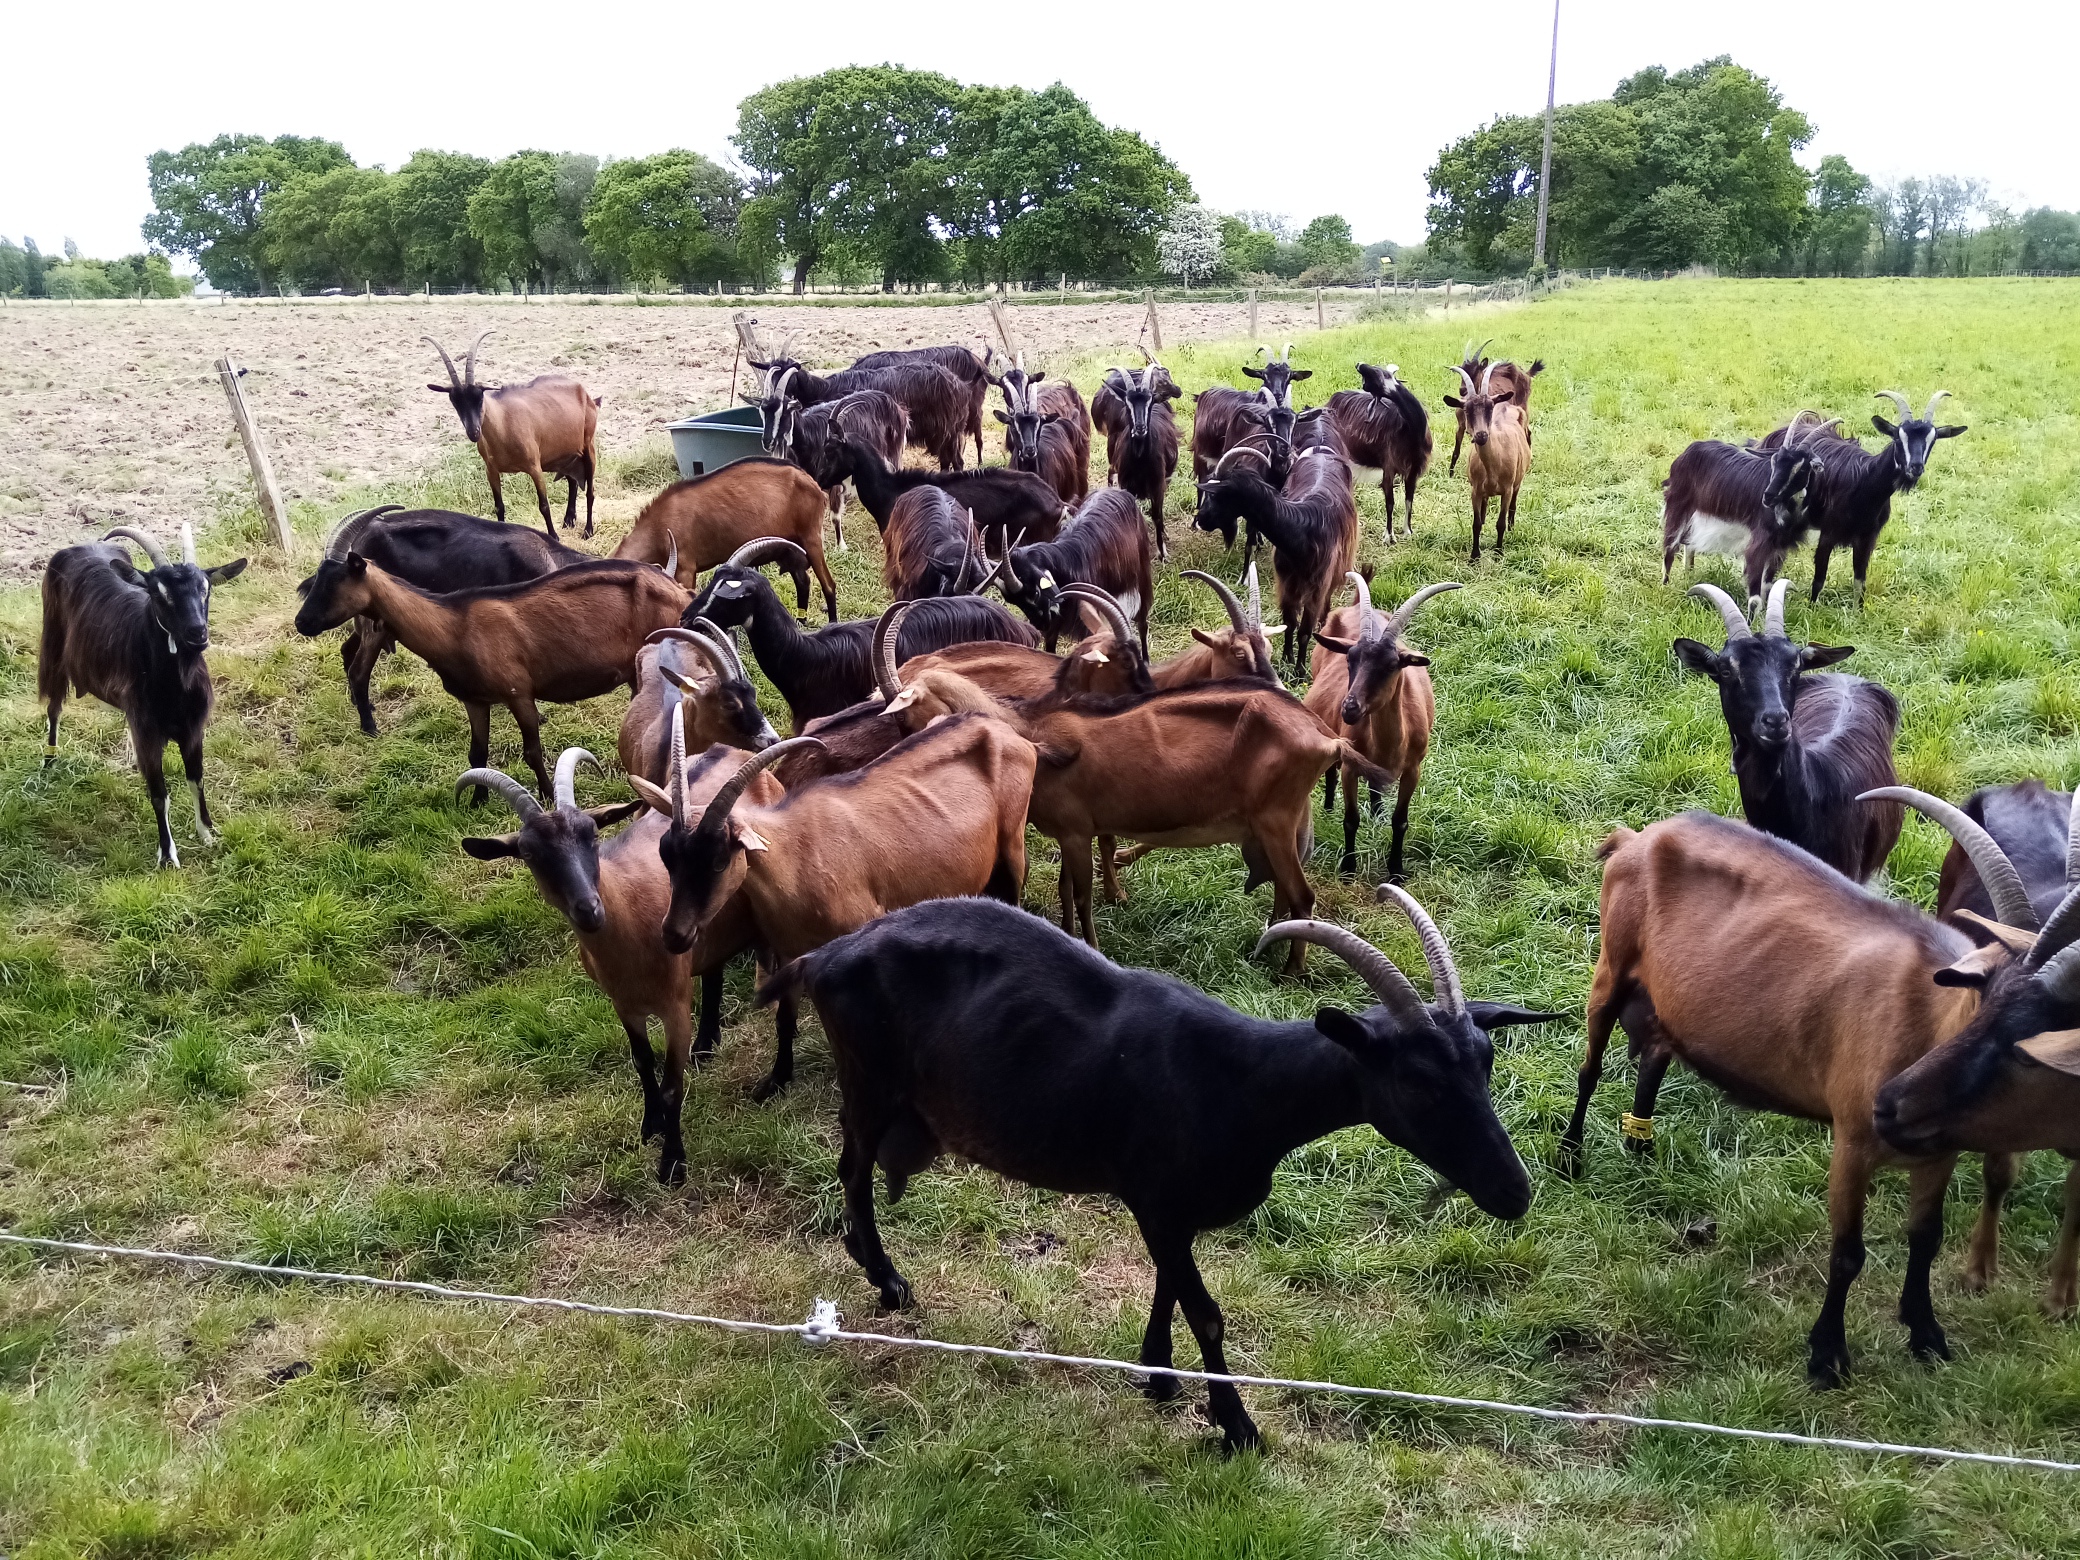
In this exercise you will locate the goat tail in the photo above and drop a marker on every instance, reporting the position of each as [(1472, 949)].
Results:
[(1615, 841), (1538, 366), (1347, 754), (789, 981)]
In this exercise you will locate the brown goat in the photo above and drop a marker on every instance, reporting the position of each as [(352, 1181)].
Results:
[(723, 707), (567, 636), (1373, 690), (930, 546), (1501, 455), (711, 518), (1795, 991), (547, 425), (1511, 383)]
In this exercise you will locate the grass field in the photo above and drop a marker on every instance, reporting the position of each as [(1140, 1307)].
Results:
[(333, 1040)]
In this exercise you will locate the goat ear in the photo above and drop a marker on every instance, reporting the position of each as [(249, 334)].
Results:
[(1815, 656), (1207, 639), (1975, 968), (1408, 657), (1330, 643), (657, 796), (1302, 373), (1254, 373), (607, 817), (2058, 1049), (226, 571), (2013, 938), (126, 570), (1699, 658), (356, 564), (438, 389), (494, 848), (1346, 1029), (1501, 1015), (1884, 427), (1000, 417), (1951, 431), (1453, 402), (748, 837)]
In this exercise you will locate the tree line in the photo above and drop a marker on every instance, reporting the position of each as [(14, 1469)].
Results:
[(1697, 167), (859, 175), (27, 272)]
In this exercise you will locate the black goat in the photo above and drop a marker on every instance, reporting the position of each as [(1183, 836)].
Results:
[(1386, 432), (438, 550), (2032, 825), (961, 362), (822, 671), (1106, 545), (873, 418), (134, 641), (1804, 747), (1141, 437), (996, 496), (936, 402), (974, 1026), (1046, 431), (930, 546), (1311, 523), (1729, 498)]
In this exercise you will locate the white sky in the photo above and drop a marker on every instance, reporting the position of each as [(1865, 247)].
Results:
[(1331, 106)]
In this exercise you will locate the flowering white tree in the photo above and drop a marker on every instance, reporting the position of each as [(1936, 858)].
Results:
[(1190, 246)]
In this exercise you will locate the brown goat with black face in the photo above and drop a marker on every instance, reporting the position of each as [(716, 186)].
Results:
[(1046, 431), (547, 425), (721, 705), (1510, 382), (1501, 456), (1374, 691), (712, 519)]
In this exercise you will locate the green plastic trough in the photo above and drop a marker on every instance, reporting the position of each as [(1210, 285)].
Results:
[(715, 439)]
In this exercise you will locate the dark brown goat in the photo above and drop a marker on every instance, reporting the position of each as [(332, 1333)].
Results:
[(1387, 432), (969, 367), (1510, 383), (1312, 525), (873, 419), (930, 546), (1141, 444), (1105, 545), (1046, 431), (709, 519), (547, 425), (937, 403)]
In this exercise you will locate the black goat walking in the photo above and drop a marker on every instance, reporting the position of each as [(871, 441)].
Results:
[(1805, 747), (134, 640), (973, 1026), (996, 496), (1736, 499), (1311, 524)]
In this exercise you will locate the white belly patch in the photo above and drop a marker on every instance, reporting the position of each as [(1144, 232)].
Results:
[(1710, 534)]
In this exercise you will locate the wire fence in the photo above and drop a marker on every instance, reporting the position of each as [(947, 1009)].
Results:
[(822, 1327)]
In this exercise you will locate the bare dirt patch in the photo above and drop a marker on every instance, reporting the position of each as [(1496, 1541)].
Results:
[(111, 414)]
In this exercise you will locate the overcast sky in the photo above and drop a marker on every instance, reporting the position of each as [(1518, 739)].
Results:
[(1297, 109)]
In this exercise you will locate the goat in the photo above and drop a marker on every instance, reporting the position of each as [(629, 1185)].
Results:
[(1311, 523), (1387, 432), (1224, 418), (1511, 383), (978, 1029), (1105, 545), (824, 671), (103, 625), (1805, 747), (1796, 991), (929, 545), (936, 402), (1374, 691), (565, 637), (2031, 824), (437, 550), (1501, 457), (547, 425), (996, 496), (1730, 498), (2009, 1081), (724, 705), (1046, 431), (961, 362), (1141, 437), (1850, 489), (873, 418), (711, 518)]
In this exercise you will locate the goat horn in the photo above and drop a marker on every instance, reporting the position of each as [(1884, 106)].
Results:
[(1437, 953), (1234, 607), (1370, 624), (469, 362), (1480, 351), (1286, 357), (1906, 412), (131, 534), (885, 631), (675, 765), (764, 549), (1798, 425), (2058, 934), (717, 661), (454, 383), (2073, 841), (1002, 567), (1930, 414), (565, 788), (1465, 379), (2011, 906), (1487, 374), (187, 542), (1773, 613), (2061, 974), (510, 791), (1398, 619), (671, 559), (1241, 449), (1109, 608), (1395, 992), (720, 805), (1736, 620), (723, 640), (1256, 599)]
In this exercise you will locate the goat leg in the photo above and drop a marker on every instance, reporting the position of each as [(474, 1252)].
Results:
[(1404, 794), (1203, 1315), (1605, 1000), (863, 1128), (1348, 866), (638, 1031), (1983, 1256), (151, 763), (1917, 1310), (530, 721), (479, 745), (191, 761), (710, 1029), (1860, 560), (570, 502), (2058, 1294), (671, 1095), (591, 480), (541, 498), (1108, 865), (498, 494), (782, 1072), (1822, 551), (1848, 1187), (1155, 1343)]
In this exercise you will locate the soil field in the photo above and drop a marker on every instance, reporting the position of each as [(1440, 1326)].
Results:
[(111, 414)]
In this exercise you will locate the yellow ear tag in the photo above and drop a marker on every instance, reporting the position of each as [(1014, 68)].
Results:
[(1639, 1128), (1046, 580)]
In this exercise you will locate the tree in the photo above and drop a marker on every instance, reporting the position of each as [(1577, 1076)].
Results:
[(207, 201), (1326, 245), (1191, 245), (2050, 241), (1246, 250), (21, 270), (1838, 227), (789, 211), (332, 229), (672, 217), (429, 211), (528, 214)]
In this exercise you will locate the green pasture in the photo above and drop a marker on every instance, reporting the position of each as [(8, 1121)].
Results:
[(333, 1040)]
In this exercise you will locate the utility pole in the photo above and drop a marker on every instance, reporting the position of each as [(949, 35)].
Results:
[(1545, 161)]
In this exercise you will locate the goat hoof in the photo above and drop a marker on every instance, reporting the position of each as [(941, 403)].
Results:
[(1569, 1161), (1161, 1389), (671, 1171), (2058, 1303), (1930, 1346), (1243, 1437), (1638, 1146), (769, 1086), (896, 1295), (1827, 1373)]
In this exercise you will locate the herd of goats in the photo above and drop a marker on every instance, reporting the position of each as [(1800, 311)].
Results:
[(857, 858)]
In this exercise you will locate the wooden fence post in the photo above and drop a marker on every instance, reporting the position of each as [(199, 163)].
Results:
[(1155, 323), (1318, 309), (271, 507), (1253, 314), (1447, 295), (996, 312)]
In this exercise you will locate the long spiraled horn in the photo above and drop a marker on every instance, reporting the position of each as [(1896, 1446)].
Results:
[(1395, 992), (1930, 414), (469, 363), (779, 391), (2011, 906), (675, 766), (1256, 598), (187, 543), (1398, 619), (454, 382), (1234, 608), (1798, 427), (510, 791), (1487, 374), (671, 560), (1480, 351), (718, 808), (706, 648), (1444, 975), (1109, 608), (1370, 624), (1736, 620), (1906, 412), (1286, 357), (132, 534), (1001, 569), (762, 550), (886, 677), (2073, 841), (565, 786), (2060, 974), (1241, 449), (2058, 934), (1465, 380), (1773, 613)]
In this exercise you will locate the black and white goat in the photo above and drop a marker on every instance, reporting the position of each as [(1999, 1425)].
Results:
[(1046, 431), (1105, 545), (1140, 431)]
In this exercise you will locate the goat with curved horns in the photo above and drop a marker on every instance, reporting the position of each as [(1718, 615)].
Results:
[(1501, 433), (549, 424)]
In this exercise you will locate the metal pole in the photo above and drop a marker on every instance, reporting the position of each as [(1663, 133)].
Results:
[(1545, 161)]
